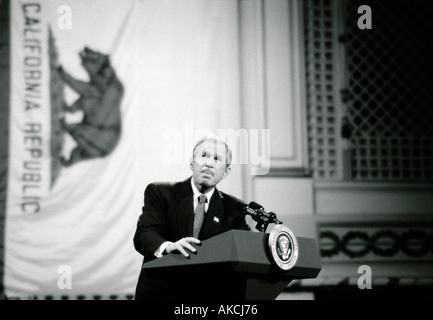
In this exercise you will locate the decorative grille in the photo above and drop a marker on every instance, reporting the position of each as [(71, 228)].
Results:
[(388, 113), (320, 74), (390, 109)]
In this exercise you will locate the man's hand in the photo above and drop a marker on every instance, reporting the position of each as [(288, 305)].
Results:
[(181, 245)]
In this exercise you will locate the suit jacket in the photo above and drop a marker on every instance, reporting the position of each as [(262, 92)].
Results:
[(168, 215)]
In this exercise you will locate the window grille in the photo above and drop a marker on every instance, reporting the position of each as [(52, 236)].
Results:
[(320, 74), (388, 107)]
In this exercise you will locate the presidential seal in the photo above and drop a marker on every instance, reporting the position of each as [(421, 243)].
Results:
[(283, 246)]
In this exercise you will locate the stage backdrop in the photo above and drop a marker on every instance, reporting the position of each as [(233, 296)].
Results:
[(106, 97)]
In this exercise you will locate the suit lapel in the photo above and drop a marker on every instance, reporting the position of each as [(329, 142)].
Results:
[(214, 216), (185, 212), (185, 209)]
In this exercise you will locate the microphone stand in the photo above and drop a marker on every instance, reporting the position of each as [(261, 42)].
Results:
[(258, 214), (264, 218)]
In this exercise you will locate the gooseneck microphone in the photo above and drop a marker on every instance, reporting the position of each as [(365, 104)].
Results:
[(256, 206), (269, 214), (258, 213), (245, 209)]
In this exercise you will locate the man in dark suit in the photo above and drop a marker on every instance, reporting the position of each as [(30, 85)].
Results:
[(170, 223)]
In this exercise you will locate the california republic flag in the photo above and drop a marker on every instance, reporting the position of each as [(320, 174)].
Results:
[(107, 96), (63, 204)]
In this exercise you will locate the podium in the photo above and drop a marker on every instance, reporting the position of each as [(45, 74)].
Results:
[(235, 265)]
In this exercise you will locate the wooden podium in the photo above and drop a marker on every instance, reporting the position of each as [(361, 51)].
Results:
[(234, 265)]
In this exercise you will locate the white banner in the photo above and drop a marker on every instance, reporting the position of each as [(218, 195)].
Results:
[(71, 206), (106, 97)]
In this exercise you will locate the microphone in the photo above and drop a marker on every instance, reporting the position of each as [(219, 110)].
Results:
[(245, 209), (256, 206), (258, 213), (256, 216), (271, 216)]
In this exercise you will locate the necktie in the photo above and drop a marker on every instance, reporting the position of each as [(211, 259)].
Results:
[(199, 215)]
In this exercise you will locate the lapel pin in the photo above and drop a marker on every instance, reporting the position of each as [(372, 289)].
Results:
[(216, 219)]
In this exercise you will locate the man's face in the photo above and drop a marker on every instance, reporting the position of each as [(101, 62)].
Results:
[(209, 165)]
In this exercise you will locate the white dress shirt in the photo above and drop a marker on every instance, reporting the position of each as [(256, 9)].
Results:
[(198, 193), (159, 253)]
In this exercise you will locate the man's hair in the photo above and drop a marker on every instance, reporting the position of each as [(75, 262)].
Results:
[(215, 139)]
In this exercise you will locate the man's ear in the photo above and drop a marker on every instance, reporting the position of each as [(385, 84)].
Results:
[(226, 173), (191, 163)]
